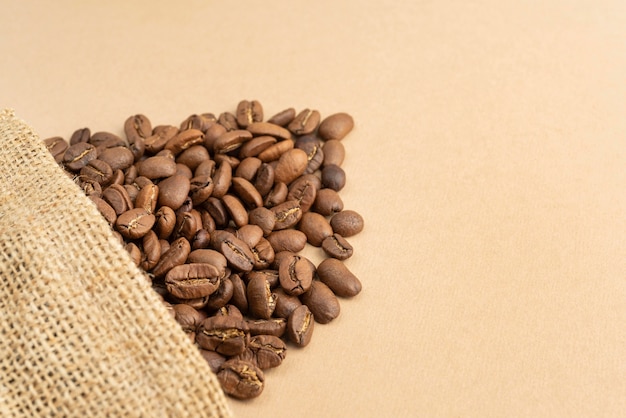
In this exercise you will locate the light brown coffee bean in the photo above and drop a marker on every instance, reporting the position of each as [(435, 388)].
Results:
[(134, 223), (304, 191), (337, 247), (193, 156), (80, 135), (184, 140), (338, 278), (334, 152), (165, 222), (291, 165), (118, 158), (231, 140), (235, 208), (285, 303), (98, 171), (305, 122), (269, 129), (295, 275), (256, 145), (57, 147), (222, 180), (157, 167), (147, 198), (247, 192), (212, 133), (228, 121), (300, 326), (327, 202), (117, 196), (264, 218), (208, 256), (160, 136), (273, 152), (347, 223), (173, 191), (287, 240), (200, 189), (247, 168), (105, 209), (249, 112), (137, 126), (284, 117), (236, 252), (276, 196), (287, 214), (151, 251), (315, 227), (336, 126), (322, 302)]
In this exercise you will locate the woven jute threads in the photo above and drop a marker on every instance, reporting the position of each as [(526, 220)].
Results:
[(82, 332)]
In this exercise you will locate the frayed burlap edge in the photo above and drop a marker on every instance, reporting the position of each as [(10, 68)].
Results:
[(83, 334)]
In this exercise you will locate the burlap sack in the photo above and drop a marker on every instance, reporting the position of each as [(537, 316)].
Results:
[(82, 332)]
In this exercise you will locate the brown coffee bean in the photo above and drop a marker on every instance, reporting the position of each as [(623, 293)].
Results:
[(201, 239), (117, 196), (232, 311), (206, 168), (236, 252), (337, 247), (334, 152), (106, 140), (188, 318), (222, 180), (78, 155), (285, 303), (193, 156), (347, 223), (305, 122), (228, 121), (175, 256), (247, 168), (157, 167), (336, 126), (272, 326), (183, 170), (57, 147), (199, 122), (118, 177), (268, 274), (276, 196), (137, 126), (160, 136), (263, 254), (151, 251), (212, 133), (230, 141), (264, 179), (261, 300), (250, 234), (186, 226), (189, 281), (130, 174), (338, 278), (287, 240), (173, 191), (269, 129), (256, 145), (118, 158), (223, 334), (291, 165), (264, 218), (221, 296), (315, 227), (88, 186), (200, 189), (217, 211), (300, 326), (249, 112), (80, 135), (304, 190), (134, 223), (295, 275), (313, 148), (235, 208), (265, 351), (183, 140), (322, 302), (247, 192), (215, 360), (147, 198), (165, 222), (274, 152), (284, 117), (333, 177), (241, 379), (98, 171), (327, 202), (240, 293), (134, 252), (105, 209), (287, 214)]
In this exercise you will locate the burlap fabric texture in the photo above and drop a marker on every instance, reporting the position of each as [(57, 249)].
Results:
[(83, 335)]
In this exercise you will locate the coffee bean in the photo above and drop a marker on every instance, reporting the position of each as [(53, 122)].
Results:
[(210, 136), (285, 303), (78, 155), (221, 296), (147, 198), (304, 190), (193, 156), (188, 318), (222, 179), (117, 196), (175, 256), (228, 121), (337, 247), (263, 254), (284, 117), (240, 293), (105, 209), (295, 274), (327, 202), (315, 227), (264, 179), (256, 145), (106, 140), (261, 300), (333, 177), (184, 140), (300, 326), (268, 129), (249, 112), (215, 360), (241, 379), (216, 209), (338, 278), (134, 252), (322, 302), (137, 126), (98, 171), (250, 234), (235, 208), (287, 240), (334, 152), (80, 135), (336, 126), (290, 165), (237, 253), (313, 148), (247, 168), (57, 147), (160, 136), (201, 239), (183, 170), (276, 196), (173, 191), (287, 214), (273, 152), (305, 122), (208, 256), (264, 218), (134, 223), (118, 158), (151, 251), (247, 192), (165, 222), (347, 223), (231, 140), (272, 326), (157, 167), (223, 334), (265, 351)]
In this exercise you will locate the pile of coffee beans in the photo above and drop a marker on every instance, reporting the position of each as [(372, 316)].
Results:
[(217, 211)]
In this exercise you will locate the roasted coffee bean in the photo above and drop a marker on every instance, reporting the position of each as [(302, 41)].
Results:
[(88, 186), (228, 121), (105, 209), (186, 226), (334, 152), (160, 136), (247, 192), (183, 170), (333, 177), (222, 179), (241, 379), (78, 155), (290, 165), (216, 209), (209, 256), (201, 239), (328, 202), (313, 148), (173, 191), (189, 281), (165, 222), (193, 156), (147, 198), (272, 326), (269, 129), (132, 192), (347, 223), (249, 112), (285, 303), (237, 253), (235, 208), (134, 252), (223, 334), (276, 196), (240, 294), (206, 168), (232, 311), (263, 254), (256, 145), (80, 135), (175, 256), (157, 167), (322, 302), (221, 296), (198, 122), (106, 139), (264, 179), (165, 246), (130, 174), (261, 300), (268, 274), (274, 152), (265, 351), (57, 147), (212, 133), (264, 218), (118, 177), (134, 223), (315, 227), (184, 140), (300, 326), (287, 240), (117, 196), (250, 234), (287, 214), (230, 141), (337, 247), (338, 278), (304, 190), (98, 171), (284, 117), (335, 126), (137, 126), (215, 360), (188, 318), (295, 275), (118, 158), (305, 122), (227, 158), (200, 189), (247, 168), (151, 251)]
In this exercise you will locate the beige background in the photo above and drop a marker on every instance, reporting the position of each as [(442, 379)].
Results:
[(488, 161)]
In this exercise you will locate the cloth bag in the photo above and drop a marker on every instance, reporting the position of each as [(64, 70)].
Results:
[(82, 333)]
